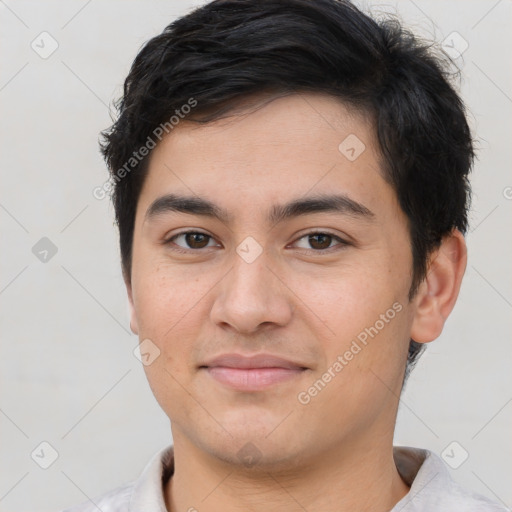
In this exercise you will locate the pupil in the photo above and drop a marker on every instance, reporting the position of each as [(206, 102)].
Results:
[(323, 241), (196, 240)]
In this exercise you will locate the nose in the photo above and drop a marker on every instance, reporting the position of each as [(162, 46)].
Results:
[(252, 297)]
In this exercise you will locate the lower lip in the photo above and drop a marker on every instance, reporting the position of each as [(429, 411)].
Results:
[(252, 379)]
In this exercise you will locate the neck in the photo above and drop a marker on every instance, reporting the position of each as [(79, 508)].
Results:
[(360, 477)]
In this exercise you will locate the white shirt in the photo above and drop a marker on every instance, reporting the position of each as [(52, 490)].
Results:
[(431, 487)]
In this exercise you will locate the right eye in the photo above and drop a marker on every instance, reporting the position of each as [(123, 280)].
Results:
[(192, 240)]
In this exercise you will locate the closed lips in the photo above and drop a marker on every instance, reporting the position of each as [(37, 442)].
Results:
[(252, 362)]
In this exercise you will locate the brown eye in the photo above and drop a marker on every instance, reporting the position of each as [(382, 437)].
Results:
[(196, 240), (320, 241), (191, 240)]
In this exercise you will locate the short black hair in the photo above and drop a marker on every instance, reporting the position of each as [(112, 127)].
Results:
[(227, 50)]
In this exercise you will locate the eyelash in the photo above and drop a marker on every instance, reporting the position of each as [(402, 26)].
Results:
[(342, 243)]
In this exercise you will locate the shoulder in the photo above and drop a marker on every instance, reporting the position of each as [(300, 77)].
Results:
[(433, 488), (463, 500), (117, 500), (143, 494)]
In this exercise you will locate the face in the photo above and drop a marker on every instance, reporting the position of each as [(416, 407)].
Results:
[(270, 274)]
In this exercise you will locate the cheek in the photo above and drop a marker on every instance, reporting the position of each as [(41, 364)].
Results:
[(364, 364), (348, 299), (167, 317), (168, 312), (164, 296), (365, 309)]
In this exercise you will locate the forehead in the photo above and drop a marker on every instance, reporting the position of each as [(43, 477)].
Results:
[(279, 150)]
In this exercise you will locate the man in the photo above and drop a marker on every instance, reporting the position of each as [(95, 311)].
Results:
[(290, 185)]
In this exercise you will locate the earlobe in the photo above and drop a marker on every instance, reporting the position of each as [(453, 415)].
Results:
[(134, 327), (439, 290)]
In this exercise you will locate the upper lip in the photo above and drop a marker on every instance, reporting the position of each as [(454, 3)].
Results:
[(253, 361)]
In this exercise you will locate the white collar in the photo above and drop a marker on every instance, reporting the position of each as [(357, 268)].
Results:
[(431, 486)]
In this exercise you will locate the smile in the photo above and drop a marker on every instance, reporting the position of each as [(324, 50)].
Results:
[(252, 379), (252, 373)]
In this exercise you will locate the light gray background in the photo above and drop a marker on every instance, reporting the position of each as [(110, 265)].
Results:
[(68, 374)]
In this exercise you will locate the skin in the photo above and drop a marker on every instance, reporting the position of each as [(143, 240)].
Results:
[(302, 299)]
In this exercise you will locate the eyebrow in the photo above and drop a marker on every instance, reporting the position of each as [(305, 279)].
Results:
[(194, 205)]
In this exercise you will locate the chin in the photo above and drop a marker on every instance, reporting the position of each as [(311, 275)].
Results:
[(254, 455)]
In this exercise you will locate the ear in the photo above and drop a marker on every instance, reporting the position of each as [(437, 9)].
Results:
[(134, 326), (439, 290)]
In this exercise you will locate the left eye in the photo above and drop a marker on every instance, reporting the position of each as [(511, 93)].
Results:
[(319, 241)]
